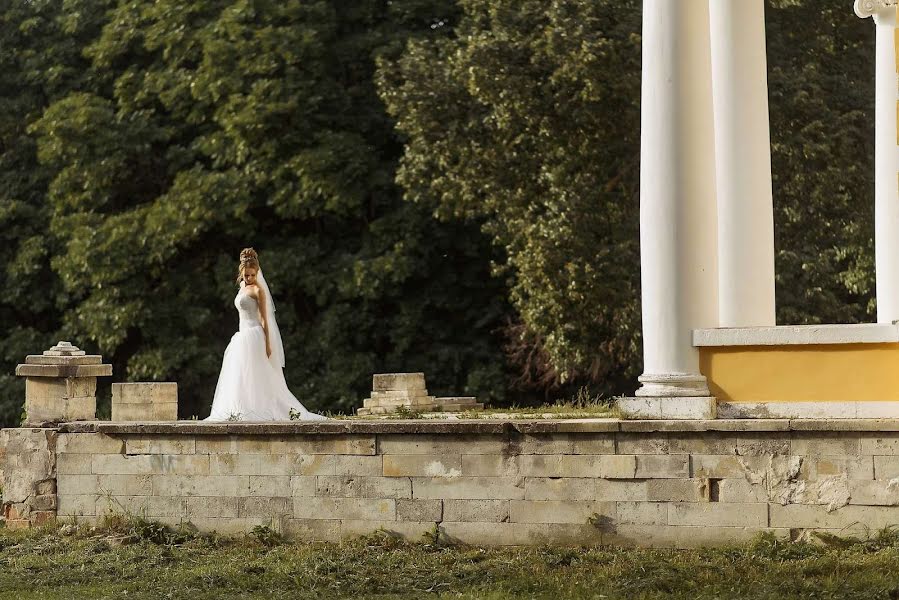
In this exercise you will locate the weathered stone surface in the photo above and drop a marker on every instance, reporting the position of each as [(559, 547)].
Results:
[(167, 444), (349, 486), (358, 465), (742, 514), (419, 510), (568, 488), (625, 490), (47, 410), (567, 443), (144, 393), (442, 445), (473, 488), (364, 509), (655, 536), (706, 442), (483, 511), (663, 467), (490, 465), (274, 485), (810, 516), (63, 371), (677, 490), (397, 381), (556, 511), (643, 443), (886, 467), (825, 443), (200, 485), (728, 466), (272, 507), (422, 465), (642, 513), (519, 534), (90, 443), (271, 464)]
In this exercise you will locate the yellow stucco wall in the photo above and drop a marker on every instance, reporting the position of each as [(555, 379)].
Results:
[(826, 372)]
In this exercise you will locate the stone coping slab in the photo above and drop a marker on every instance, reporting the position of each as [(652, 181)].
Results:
[(785, 335), (476, 426)]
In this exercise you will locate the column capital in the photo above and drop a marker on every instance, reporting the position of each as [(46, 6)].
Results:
[(869, 8)]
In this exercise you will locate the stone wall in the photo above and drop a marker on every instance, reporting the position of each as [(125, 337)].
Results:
[(652, 483)]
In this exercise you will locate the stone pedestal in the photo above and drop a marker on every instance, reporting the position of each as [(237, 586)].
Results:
[(145, 401), (61, 384), (391, 391)]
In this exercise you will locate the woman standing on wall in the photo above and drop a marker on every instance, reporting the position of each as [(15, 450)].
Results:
[(251, 385)]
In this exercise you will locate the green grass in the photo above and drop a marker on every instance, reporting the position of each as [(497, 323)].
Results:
[(143, 560)]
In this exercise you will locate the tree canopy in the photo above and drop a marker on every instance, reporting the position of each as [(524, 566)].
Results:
[(447, 186)]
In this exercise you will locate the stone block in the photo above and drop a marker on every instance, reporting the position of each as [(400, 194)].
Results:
[(160, 506), (200, 485), (157, 411), (358, 465), (303, 486), (44, 410), (853, 467), (642, 513), (39, 518), (818, 517), (741, 490), (419, 510), (296, 444), (718, 514), (704, 442), (89, 443), (567, 443), (521, 534), (879, 443), (147, 464), (45, 502), (473, 488), (620, 466), (312, 530), (656, 536), (490, 465), (485, 511), (70, 505), (677, 490), (886, 467), (761, 443), (363, 509), (405, 530), (349, 486), (420, 403), (121, 505), (643, 443), (422, 465), (271, 464), (163, 444), (144, 393), (442, 445), (73, 464), (215, 507), (272, 485), (397, 381), (52, 389), (620, 489), (223, 525), (874, 493), (77, 485), (567, 488), (825, 443), (673, 466), (273, 507), (558, 511), (47, 486), (728, 466), (121, 485), (542, 465)]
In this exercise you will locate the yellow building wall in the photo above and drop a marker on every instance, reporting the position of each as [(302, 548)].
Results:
[(819, 373)]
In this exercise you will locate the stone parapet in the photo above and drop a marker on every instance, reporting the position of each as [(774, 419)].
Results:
[(153, 401), (583, 482)]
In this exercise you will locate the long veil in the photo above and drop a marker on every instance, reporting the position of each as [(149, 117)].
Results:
[(274, 334)]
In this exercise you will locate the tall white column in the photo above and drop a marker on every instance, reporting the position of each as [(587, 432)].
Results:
[(678, 224), (886, 159), (743, 164)]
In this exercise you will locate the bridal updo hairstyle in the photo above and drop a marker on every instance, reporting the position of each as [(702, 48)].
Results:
[(248, 258)]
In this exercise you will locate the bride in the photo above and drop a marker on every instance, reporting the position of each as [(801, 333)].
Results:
[(251, 385)]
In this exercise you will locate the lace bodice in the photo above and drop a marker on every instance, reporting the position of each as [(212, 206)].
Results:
[(247, 309)]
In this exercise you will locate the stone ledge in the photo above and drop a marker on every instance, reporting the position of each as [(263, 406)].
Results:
[(478, 426), (784, 335)]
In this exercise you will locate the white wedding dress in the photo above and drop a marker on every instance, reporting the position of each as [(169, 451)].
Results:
[(251, 385)]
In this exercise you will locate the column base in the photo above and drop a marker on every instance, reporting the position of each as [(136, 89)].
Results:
[(676, 385), (668, 408)]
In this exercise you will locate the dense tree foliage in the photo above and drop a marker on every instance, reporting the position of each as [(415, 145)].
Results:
[(448, 186)]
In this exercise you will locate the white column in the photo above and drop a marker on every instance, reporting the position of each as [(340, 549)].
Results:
[(678, 256), (886, 159), (743, 164)]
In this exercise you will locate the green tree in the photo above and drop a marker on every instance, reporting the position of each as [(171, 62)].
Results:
[(207, 126)]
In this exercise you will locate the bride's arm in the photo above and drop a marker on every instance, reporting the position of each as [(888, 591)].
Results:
[(263, 312)]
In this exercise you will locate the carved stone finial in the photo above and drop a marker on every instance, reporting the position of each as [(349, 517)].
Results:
[(869, 8)]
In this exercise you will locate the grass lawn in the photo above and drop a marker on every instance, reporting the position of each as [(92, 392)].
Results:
[(144, 561)]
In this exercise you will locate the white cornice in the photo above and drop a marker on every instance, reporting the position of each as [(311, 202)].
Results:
[(869, 8)]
